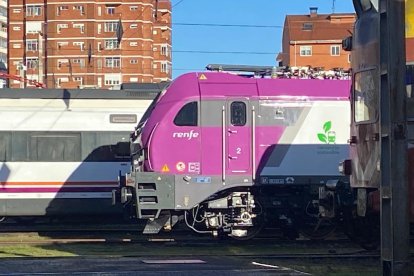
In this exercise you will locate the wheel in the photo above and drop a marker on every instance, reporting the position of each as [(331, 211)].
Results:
[(364, 231), (317, 228)]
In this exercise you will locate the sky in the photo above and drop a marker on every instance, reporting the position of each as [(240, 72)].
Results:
[(192, 44)]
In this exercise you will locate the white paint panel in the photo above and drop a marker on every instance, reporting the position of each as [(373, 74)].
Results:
[(307, 155), (53, 195), (61, 171), (67, 115)]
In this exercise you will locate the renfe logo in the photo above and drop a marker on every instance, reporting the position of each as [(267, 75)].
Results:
[(188, 135)]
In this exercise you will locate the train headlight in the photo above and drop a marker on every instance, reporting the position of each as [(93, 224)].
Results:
[(345, 167)]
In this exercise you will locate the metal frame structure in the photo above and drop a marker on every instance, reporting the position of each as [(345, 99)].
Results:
[(393, 140)]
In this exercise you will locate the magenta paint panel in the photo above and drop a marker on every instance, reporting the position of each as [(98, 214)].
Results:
[(177, 148), (198, 150), (211, 162)]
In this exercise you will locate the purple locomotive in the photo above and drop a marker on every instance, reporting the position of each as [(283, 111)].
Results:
[(225, 153)]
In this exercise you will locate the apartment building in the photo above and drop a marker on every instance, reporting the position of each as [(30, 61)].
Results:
[(315, 40), (3, 38), (89, 43)]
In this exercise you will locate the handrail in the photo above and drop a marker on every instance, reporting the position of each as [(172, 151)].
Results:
[(223, 121)]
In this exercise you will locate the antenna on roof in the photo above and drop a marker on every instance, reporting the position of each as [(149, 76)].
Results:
[(333, 6)]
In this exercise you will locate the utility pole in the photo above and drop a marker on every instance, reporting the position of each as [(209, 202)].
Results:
[(40, 58), (333, 6), (393, 125)]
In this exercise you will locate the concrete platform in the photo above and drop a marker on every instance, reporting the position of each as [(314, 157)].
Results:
[(142, 266)]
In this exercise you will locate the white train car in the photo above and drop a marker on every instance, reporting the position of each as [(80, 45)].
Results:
[(61, 151)]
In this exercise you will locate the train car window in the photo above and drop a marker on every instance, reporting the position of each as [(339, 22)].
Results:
[(88, 146), (55, 147), (5, 146), (188, 115), (238, 113), (105, 147), (365, 96)]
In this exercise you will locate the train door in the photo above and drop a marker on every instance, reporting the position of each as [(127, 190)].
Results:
[(239, 137)]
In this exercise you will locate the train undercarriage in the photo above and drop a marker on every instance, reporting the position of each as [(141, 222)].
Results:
[(313, 211)]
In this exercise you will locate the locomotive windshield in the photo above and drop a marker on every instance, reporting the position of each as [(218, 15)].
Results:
[(188, 115), (365, 98), (149, 110)]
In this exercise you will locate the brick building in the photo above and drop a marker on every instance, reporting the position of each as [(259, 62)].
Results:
[(72, 44), (316, 40)]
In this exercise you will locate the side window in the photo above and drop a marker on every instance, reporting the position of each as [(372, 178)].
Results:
[(105, 147), (55, 147), (238, 113), (188, 115), (365, 96), (5, 146)]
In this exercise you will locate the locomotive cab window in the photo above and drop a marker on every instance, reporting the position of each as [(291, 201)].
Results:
[(365, 96), (238, 113), (188, 115)]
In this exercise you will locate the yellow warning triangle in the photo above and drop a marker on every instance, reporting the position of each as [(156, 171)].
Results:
[(202, 77), (165, 168)]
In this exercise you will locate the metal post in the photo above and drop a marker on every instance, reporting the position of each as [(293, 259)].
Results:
[(394, 182), (40, 58)]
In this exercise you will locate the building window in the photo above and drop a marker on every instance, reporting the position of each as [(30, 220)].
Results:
[(62, 8), (81, 27), (17, 10), (164, 67), (16, 28), (79, 80), (79, 8), (134, 43), (164, 50), (133, 26), (349, 58), (111, 44), (112, 79), (133, 8), (305, 50), (32, 45), (79, 61), (307, 26), (60, 27), (61, 62), (110, 10), (335, 50), (81, 45), (133, 61), (33, 10), (113, 62), (3, 43), (16, 46), (61, 44), (111, 26), (31, 63)]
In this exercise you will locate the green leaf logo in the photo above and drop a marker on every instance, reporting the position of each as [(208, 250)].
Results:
[(322, 137), (327, 126), (328, 137)]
